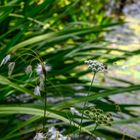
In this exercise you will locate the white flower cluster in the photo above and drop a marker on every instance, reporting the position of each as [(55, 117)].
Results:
[(53, 134), (96, 66), (40, 69)]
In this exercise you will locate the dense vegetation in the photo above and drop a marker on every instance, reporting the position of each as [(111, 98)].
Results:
[(43, 48)]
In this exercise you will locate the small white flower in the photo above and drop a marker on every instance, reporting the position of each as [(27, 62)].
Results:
[(39, 136), (37, 91), (41, 80), (51, 130), (47, 68), (39, 68), (28, 69), (11, 68), (61, 137), (53, 137), (5, 59), (56, 135)]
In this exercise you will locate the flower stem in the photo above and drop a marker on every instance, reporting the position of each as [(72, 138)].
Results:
[(45, 108), (45, 102), (85, 103)]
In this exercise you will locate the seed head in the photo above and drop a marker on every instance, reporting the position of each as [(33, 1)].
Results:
[(98, 116), (95, 66)]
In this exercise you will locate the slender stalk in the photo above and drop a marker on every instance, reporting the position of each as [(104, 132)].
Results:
[(123, 138), (45, 108), (85, 103), (45, 100)]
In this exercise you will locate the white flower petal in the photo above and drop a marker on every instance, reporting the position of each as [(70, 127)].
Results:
[(39, 136), (5, 59), (37, 91), (52, 130)]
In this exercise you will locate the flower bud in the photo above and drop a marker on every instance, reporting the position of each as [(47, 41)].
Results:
[(28, 69), (11, 68)]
